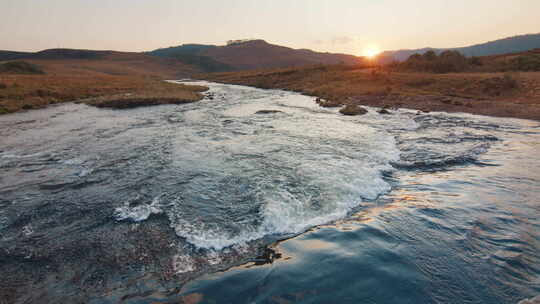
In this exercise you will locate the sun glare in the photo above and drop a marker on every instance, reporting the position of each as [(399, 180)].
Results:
[(371, 51)]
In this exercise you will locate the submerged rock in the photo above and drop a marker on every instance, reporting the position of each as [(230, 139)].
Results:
[(268, 112), (384, 112), (352, 110)]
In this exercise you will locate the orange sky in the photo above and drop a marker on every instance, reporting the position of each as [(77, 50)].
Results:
[(348, 26)]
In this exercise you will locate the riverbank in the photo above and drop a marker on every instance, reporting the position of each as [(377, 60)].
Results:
[(515, 95), (25, 92)]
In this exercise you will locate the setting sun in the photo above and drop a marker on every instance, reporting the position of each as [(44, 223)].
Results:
[(371, 51)]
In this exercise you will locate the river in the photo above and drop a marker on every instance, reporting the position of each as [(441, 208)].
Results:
[(212, 202)]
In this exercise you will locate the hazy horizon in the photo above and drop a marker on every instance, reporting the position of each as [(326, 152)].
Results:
[(345, 26)]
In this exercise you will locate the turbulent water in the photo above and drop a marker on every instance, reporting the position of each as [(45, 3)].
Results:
[(105, 205)]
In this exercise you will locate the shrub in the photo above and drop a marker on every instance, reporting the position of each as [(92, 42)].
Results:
[(418, 83), (509, 82), (526, 63), (498, 86), (475, 61)]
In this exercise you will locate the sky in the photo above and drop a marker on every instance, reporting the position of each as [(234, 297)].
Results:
[(344, 26)]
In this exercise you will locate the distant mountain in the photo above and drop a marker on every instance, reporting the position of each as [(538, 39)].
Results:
[(56, 54), (250, 54), (502, 46)]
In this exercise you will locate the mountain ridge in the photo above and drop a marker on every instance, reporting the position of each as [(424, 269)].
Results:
[(514, 44)]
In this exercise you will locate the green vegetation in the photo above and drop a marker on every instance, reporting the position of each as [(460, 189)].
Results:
[(20, 67)]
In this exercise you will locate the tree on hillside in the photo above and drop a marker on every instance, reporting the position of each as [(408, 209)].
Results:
[(446, 62), (430, 55)]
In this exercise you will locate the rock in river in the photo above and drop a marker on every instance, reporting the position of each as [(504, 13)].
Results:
[(353, 110)]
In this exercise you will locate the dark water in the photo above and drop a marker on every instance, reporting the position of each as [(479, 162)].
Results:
[(308, 206)]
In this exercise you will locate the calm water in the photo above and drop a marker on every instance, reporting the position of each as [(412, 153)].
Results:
[(307, 206)]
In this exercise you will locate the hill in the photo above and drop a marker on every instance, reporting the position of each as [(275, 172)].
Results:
[(256, 54), (190, 54), (185, 49), (92, 62), (250, 54), (514, 44)]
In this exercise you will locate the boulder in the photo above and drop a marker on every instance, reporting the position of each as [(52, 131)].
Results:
[(353, 110)]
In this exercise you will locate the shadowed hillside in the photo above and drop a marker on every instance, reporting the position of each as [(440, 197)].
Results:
[(260, 54), (190, 54), (19, 67), (249, 54), (11, 55)]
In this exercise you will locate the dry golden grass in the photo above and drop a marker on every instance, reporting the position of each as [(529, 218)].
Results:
[(116, 75), (513, 95), (37, 91), (341, 82), (128, 65)]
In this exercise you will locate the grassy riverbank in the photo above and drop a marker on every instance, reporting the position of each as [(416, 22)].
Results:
[(23, 92), (496, 94), (114, 77)]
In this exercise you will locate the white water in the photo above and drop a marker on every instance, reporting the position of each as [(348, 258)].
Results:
[(301, 168)]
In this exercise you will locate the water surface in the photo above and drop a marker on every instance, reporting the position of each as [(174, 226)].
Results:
[(107, 206)]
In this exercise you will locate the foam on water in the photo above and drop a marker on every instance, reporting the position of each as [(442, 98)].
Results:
[(243, 177), (139, 212), (295, 169)]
